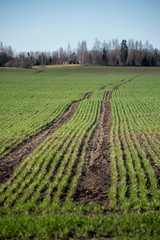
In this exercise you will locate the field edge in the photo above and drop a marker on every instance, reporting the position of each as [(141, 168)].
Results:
[(69, 226)]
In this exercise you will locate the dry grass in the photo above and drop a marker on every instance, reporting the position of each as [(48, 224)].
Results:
[(56, 66)]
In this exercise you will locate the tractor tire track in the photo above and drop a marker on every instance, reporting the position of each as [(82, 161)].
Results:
[(23, 150), (95, 180), (94, 183)]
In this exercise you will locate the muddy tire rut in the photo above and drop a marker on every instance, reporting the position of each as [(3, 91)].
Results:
[(94, 183), (9, 162)]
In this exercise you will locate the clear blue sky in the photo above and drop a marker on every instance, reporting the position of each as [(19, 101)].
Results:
[(45, 25)]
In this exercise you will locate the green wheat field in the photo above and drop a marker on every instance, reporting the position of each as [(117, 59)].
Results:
[(38, 195)]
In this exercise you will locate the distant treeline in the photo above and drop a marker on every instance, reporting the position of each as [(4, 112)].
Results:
[(112, 53)]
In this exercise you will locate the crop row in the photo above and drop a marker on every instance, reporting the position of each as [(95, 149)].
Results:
[(52, 171), (135, 155), (30, 102)]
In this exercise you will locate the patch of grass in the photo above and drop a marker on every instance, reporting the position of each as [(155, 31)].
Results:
[(31, 101), (70, 226)]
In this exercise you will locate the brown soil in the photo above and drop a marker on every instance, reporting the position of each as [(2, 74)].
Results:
[(94, 183), (122, 83), (9, 162), (88, 95), (102, 88), (116, 88)]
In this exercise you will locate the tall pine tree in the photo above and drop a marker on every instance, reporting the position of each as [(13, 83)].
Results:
[(104, 57), (124, 52)]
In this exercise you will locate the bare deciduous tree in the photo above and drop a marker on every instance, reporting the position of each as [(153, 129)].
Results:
[(106, 53)]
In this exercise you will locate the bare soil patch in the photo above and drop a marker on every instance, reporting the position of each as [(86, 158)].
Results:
[(9, 162), (95, 180), (88, 95), (116, 88), (102, 88)]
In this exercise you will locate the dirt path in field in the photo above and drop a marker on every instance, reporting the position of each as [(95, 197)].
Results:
[(95, 180), (9, 162), (94, 183)]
